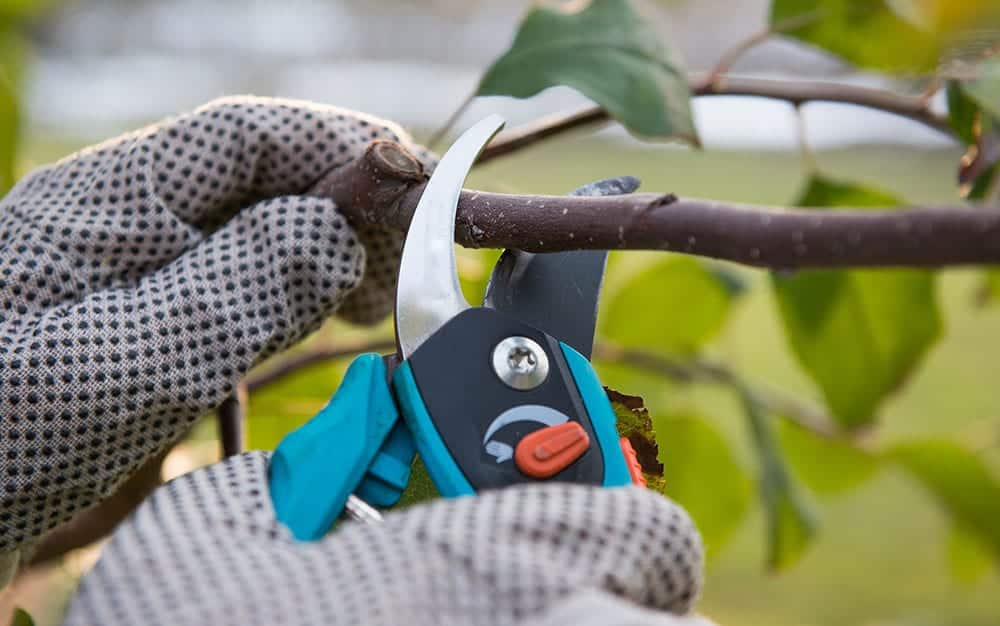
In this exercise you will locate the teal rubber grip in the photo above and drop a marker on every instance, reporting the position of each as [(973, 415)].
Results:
[(389, 472), (447, 477), (317, 466), (602, 417)]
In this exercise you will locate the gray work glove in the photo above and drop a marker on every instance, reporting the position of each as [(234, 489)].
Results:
[(141, 279), (206, 549)]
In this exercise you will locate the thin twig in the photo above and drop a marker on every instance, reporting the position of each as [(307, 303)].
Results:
[(793, 92), (230, 416), (729, 57), (805, 151), (306, 358), (686, 371), (98, 521), (523, 136), (697, 370), (457, 113)]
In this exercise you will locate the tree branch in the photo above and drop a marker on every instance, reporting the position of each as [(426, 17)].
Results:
[(793, 92), (231, 416), (383, 188), (305, 358), (98, 521), (730, 56), (696, 370), (685, 371)]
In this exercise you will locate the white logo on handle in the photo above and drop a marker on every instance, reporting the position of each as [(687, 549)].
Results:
[(525, 413)]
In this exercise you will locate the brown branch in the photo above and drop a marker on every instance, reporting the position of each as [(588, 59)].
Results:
[(685, 371), (793, 92), (231, 416), (799, 93), (730, 56), (523, 136), (98, 521), (696, 370), (368, 192), (300, 360)]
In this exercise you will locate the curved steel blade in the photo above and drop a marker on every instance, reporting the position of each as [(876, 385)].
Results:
[(428, 293)]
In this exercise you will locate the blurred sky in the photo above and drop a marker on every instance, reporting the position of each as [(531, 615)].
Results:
[(107, 65)]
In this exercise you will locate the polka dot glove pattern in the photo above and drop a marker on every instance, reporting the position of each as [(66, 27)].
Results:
[(206, 549), (141, 279)]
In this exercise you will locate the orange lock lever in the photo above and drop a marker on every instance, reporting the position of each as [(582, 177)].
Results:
[(546, 452)]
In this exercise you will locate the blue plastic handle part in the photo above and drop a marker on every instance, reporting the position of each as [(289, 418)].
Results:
[(447, 477), (389, 472), (318, 465), (602, 417)]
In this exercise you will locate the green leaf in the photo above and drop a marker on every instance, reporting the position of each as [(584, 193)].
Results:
[(607, 52), (981, 185), (735, 281), (11, 68), (857, 334), (968, 559), (826, 192), (22, 618), (960, 482), (675, 305), (15, 10), (867, 33), (989, 290), (635, 424), (985, 88), (701, 473), (791, 521), (825, 465), (420, 488), (474, 268), (974, 123), (278, 409), (963, 112)]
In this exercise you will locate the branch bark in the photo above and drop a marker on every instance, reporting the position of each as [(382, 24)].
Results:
[(696, 370), (792, 92), (231, 416), (385, 185), (295, 362), (684, 371)]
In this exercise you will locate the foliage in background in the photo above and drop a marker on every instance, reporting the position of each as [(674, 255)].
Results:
[(858, 335), (11, 55), (22, 618), (607, 52)]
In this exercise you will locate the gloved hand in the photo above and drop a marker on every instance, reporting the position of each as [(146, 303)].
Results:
[(206, 549), (142, 278)]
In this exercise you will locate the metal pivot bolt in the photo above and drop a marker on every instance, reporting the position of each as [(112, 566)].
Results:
[(520, 363)]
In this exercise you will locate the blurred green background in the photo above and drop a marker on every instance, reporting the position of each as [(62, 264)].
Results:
[(886, 553)]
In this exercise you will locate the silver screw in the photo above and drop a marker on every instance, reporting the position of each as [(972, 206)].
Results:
[(520, 363)]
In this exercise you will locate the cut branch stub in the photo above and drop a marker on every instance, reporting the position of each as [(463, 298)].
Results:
[(373, 184)]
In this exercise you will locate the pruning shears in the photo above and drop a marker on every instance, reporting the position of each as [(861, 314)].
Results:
[(488, 396)]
